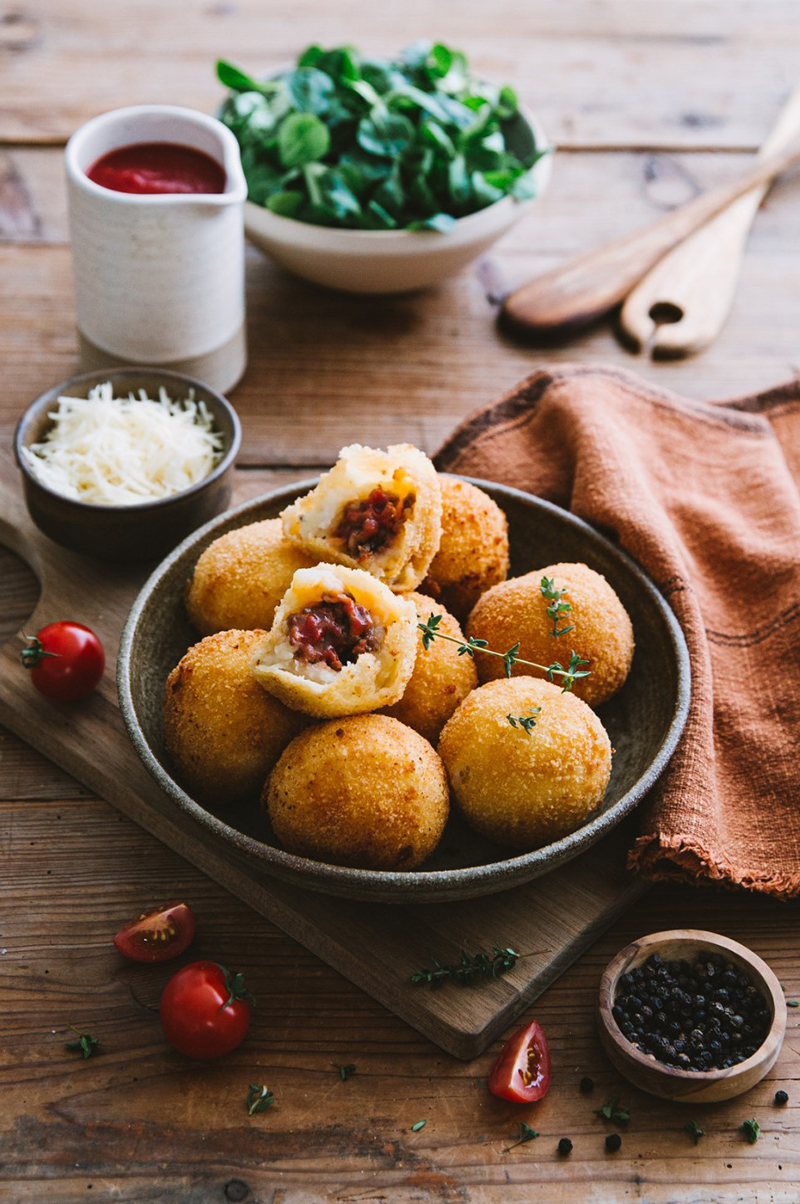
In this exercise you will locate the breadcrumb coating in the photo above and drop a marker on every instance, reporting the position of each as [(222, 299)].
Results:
[(222, 731), (441, 678), (241, 577), (473, 551), (525, 789), (602, 633), (364, 791)]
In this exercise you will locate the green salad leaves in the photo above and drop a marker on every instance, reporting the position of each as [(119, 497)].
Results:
[(379, 144)]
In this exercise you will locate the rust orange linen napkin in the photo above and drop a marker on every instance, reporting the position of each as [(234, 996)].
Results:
[(705, 497)]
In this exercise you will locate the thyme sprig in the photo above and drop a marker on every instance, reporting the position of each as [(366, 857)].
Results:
[(345, 1072), (430, 632), (557, 609), (526, 722), (473, 968), (259, 1099), (86, 1043), (524, 1133)]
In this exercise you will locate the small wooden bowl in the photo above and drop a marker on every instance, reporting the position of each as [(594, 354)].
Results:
[(699, 1086)]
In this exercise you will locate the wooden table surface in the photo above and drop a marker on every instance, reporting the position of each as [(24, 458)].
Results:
[(648, 103)]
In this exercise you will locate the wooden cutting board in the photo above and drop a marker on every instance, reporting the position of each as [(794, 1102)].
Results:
[(550, 920)]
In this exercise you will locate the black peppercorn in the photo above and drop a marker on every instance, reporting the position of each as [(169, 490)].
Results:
[(613, 1142), (587, 1085), (565, 1146), (781, 1098), (702, 1015)]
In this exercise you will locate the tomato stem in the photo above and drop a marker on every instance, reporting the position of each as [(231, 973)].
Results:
[(34, 652)]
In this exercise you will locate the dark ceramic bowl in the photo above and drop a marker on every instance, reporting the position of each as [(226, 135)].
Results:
[(127, 533), (644, 721)]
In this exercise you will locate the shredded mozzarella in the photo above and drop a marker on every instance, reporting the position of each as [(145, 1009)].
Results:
[(123, 451)]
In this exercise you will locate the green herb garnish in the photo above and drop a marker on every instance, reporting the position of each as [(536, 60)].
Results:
[(524, 1133), (472, 968), (792, 1003), (259, 1099), (85, 1043), (430, 632), (379, 144), (751, 1129), (557, 609), (694, 1130), (612, 1111), (526, 722), (346, 1072), (420, 1124)]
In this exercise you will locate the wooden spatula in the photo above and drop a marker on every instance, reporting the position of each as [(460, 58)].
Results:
[(576, 293), (693, 286)]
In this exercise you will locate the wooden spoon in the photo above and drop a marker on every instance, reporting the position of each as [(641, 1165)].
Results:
[(694, 284), (584, 288)]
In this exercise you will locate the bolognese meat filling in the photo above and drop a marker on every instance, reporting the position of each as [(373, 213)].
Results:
[(334, 631), (369, 525)]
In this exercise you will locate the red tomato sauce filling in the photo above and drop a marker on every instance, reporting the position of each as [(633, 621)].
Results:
[(333, 632), (366, 527), (149, 168)]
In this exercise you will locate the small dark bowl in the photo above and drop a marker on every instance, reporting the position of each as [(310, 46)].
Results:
[(128, 533)]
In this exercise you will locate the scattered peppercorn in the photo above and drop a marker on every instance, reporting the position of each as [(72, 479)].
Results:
[(781, 1098), (587, 1085), (613, 1142), (699, 1015), (565, 1146)]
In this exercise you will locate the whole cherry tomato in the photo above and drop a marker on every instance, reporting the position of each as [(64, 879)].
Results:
[(205, 1010), (66, 660), (522, 1070), (158, 935)]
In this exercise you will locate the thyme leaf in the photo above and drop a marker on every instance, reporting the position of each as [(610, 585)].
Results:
[(259, 1099), (345, 1072), (524, 1133), (694, 1130), (86, 1043), (751, 1129), (612, 1111), (526, 722)]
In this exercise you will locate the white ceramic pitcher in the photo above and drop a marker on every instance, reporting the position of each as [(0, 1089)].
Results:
[(159, 279)]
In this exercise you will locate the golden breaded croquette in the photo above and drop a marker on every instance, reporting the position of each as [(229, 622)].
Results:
[(222, 731), (441, 678), (516, 610), (241, 577), (525, 788), (364, 791), (473, 551)]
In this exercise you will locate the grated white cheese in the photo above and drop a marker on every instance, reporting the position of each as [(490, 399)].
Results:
[(123, 451)]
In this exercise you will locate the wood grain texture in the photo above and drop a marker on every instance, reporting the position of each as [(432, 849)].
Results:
[(140, 1124), (700, 79)]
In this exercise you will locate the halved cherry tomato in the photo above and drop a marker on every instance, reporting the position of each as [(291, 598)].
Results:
[(66, 660), (522, 1070), (205, 1010), (158, 935)]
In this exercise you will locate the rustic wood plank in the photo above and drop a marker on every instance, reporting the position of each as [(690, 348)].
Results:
[(140, 1123), (455, 359), (700, 76)]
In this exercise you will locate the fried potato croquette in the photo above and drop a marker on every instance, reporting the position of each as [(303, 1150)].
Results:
[(241, 577), (375, 510), (525, 788), (222, 731), (473, 551), (341, 643), (601, 631), (365, 791), (441, 678)]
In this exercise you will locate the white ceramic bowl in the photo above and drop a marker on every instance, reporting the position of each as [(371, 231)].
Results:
[(393, 261)]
